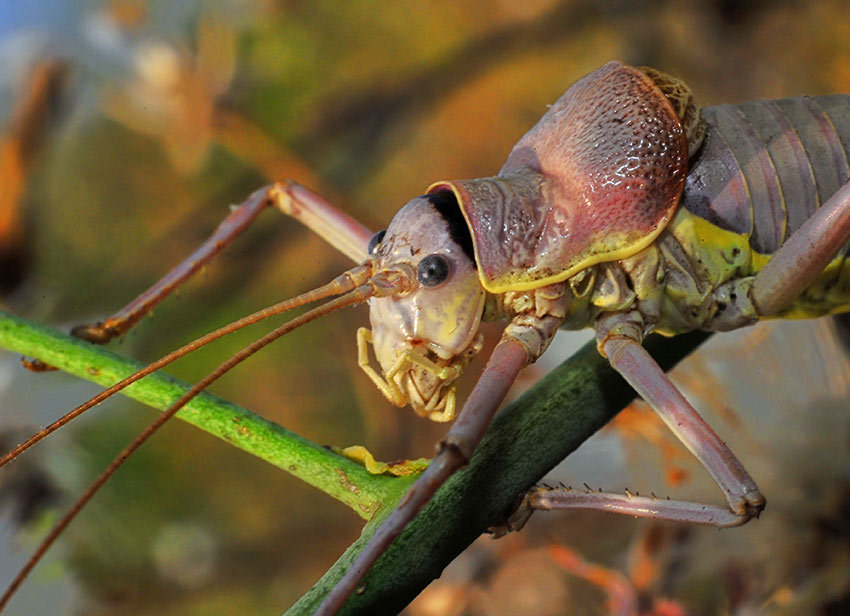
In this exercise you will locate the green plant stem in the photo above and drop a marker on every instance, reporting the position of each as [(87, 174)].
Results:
[(337, 476), (526, 440)]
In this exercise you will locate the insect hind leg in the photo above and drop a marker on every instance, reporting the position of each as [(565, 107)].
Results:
[(799, 261)]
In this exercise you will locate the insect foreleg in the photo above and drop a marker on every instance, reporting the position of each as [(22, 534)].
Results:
[(804, 255), (508, 358), (343, 232)]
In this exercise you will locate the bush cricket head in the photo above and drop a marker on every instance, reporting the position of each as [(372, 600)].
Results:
[(425, 335)]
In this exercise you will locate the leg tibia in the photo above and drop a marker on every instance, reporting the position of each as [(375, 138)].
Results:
[(635, 505), (632, 361), (342, 231), (235, 223)]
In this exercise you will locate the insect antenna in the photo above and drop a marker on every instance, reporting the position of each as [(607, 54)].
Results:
[(358, 295), (345, 282)]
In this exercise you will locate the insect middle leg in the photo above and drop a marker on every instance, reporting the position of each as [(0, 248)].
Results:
[(340, 230), (790, 270), (634, 363)]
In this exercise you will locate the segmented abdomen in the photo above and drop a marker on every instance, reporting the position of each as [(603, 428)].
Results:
[(766, 166)]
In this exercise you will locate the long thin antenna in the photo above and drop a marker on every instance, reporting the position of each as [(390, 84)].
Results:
[(345, 282), (356, 296)]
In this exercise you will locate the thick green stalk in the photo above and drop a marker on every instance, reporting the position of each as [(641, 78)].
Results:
[(527, 439), (339, 477)]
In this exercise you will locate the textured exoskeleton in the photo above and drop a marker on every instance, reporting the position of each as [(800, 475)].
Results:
[(627, 209), (588, 184), (596, 220)]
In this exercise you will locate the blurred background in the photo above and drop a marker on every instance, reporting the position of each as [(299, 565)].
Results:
[(130, 126)]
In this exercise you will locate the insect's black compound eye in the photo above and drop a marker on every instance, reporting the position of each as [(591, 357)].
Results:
[(376, 241), (433, 270)]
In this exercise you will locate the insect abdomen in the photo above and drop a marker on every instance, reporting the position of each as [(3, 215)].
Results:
[(766, 166)]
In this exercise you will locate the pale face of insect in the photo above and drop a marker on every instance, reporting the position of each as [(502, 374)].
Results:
[(424, 338)]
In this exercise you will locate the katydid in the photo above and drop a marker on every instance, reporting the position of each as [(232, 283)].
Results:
[(628, 209)]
